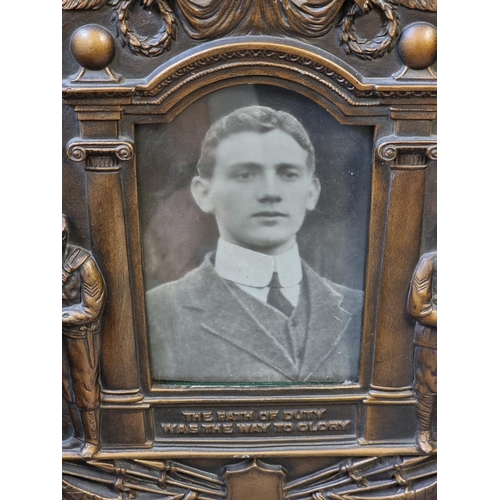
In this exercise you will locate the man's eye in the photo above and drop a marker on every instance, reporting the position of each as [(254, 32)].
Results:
[(290, 174), (243, 175)]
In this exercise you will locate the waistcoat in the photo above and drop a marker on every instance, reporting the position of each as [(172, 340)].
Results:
[(290, 332)]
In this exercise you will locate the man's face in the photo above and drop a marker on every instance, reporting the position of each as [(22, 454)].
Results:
[(260, 190)]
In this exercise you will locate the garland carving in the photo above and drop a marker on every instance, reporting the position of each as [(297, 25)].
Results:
[(212, 19)]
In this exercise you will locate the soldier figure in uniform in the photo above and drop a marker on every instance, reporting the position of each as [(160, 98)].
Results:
[(422, 305), (83, 295)]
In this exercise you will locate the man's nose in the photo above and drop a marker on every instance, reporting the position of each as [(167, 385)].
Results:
[(269, 192)]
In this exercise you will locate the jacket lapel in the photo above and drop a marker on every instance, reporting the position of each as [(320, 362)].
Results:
[(328, 322), (229, 319)]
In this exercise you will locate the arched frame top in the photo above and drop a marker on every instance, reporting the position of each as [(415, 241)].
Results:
[(295, 65)]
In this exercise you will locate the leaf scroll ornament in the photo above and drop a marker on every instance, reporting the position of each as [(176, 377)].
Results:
[(385, 39), (150, 46), (82, 4), (430, 5)]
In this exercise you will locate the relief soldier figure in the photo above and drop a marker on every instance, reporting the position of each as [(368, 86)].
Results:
[(83, 294), (255, 311), (422, 305)]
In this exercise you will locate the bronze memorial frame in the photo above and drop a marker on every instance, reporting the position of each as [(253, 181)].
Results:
[(146, 440)]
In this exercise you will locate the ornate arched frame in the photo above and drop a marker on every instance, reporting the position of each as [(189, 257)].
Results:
[(402, 114), (400, 161)]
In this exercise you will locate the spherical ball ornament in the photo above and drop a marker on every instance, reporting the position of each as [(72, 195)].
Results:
[(92, 46), (417, 46)]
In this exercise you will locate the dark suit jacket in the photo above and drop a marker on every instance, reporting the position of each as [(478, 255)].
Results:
[(200, 332)]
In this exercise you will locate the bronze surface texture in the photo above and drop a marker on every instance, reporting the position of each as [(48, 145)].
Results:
[(143, 80)]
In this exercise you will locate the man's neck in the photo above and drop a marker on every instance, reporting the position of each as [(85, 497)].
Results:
[(272, 250)]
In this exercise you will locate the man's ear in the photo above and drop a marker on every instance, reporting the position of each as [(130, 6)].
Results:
[(200, 189), (314, 191)]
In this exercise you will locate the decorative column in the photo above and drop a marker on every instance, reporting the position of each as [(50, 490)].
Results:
[(390, 412), (104, 154)]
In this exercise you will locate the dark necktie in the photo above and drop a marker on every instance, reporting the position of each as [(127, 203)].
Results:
[(276, 298)]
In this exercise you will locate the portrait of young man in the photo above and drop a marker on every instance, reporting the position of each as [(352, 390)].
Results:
[(254, 311)]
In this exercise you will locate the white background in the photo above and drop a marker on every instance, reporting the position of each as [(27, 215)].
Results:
[(468, 246)]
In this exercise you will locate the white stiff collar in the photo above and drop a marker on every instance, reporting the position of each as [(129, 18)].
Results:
[(246, 267)]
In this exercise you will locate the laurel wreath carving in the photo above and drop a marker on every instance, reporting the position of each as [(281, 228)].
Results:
[(370, 478), (71, 492), (141, 480), (150, 46), (383, 42), (356, 478)]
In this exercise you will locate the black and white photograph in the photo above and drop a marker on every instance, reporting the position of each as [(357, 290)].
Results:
[(254, 216)]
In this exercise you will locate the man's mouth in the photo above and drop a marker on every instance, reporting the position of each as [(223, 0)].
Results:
[(269, 213)]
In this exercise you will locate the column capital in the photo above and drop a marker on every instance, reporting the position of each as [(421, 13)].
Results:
[(407, 153), (100, 155)]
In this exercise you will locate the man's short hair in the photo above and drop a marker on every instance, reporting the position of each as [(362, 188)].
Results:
[(259, 119)]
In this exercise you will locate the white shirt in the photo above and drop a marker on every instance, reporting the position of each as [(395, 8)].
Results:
[(252, 271)]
